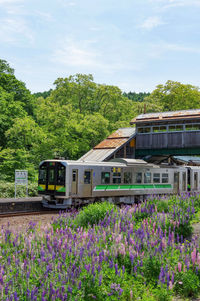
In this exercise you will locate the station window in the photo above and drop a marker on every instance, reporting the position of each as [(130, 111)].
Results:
[(144, 130), (138, 177), (156, 178), (116, 177), (192, 127), (87, 177), (147, 177), (127, 177), (105, 178), (159, 129), (175, 128), (165, 178)]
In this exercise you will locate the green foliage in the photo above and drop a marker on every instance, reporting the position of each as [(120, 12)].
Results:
[(187, 284), (7, 190), (175, 96), (93, 214), (136, 96), (5, 67), (44, 94), (151, 269), (12, 159)]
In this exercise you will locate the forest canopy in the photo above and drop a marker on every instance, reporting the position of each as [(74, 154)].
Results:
[(73, 117)]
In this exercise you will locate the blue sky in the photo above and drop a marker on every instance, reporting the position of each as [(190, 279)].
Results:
[(133, 44)]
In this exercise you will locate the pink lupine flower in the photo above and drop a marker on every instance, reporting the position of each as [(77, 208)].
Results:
[(170, 285), (122, 249), (198, 258), (193, 256), (179, 266), (163, 243), (131, 294)]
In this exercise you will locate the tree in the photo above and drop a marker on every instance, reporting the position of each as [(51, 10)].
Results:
[(5, 67), (175, 96), (20, 93)]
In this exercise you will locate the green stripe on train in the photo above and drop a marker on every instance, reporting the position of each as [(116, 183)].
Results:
[(135, 187), (40, 188), (62, 189)]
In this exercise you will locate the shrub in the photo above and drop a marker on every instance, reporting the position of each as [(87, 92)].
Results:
[(7, 190), (187, 284), (93, 214)]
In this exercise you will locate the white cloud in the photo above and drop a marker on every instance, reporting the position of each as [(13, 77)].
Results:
[(176, 3), (15, 29), (87, 56), (73, 54), (151, 23), (157, 50)]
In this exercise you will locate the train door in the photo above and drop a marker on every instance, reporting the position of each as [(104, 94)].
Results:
[(51, 178), (87, 187), (184, 186), (195, 180), (188, 179), (74, 181), (176, 181), (51, 174)]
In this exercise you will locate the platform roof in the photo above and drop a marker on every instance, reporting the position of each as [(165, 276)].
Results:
[(167, 116), (105, 149)]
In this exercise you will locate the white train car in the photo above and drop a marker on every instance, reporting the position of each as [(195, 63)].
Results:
[(64, 183)]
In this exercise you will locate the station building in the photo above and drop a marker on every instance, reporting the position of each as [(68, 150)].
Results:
[(154, 137)]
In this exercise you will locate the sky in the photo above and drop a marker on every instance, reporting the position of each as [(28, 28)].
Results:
[(133, 44)]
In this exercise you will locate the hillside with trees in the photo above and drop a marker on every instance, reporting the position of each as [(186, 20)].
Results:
[(72, 118)]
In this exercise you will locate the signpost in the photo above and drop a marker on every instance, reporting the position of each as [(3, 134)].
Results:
[(21, 178)]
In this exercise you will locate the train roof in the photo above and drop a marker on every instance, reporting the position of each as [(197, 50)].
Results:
[(114, 162)]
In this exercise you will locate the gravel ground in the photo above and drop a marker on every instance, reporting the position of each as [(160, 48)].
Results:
[(21, 223)]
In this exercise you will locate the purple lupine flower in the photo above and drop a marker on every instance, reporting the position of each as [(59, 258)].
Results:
[(116, 269), (69, 289)]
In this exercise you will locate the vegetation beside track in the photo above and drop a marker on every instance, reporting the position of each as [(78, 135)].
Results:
[(7, 190), (143, 252)]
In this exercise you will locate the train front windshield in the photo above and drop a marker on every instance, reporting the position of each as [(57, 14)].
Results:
[(51, 178)]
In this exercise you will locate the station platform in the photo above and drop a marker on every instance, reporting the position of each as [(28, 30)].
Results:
[(11, 205)]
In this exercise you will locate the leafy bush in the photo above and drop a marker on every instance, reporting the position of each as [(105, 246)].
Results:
[(187, 284), (93, 214), (7, 190)]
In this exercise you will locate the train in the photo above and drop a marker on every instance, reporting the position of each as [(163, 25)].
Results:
[(65, 183)]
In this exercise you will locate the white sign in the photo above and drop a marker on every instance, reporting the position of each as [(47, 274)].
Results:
[(21, 178)]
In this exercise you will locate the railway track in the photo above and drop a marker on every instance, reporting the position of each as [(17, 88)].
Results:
[(23, 213)]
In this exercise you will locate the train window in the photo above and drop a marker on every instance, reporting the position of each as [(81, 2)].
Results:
[(74, 175), (184, 181), (61, 175), (42, 174), (156, 178), (105, 178), (147, 177), (128, 177), (51, 175), (116, 177), (87, 177), (138, 177), (165, 178)]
